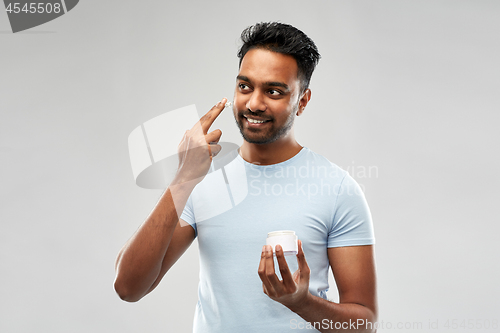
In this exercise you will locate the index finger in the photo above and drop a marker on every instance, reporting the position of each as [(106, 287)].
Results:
[(208, 119)]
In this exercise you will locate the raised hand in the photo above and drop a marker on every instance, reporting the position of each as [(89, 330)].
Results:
[(197, 147)]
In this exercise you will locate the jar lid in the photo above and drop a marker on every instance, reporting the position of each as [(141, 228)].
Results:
[(281, 233)]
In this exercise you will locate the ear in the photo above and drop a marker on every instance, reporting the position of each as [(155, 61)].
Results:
[(304, 99)]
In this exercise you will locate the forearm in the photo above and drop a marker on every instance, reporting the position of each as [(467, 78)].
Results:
[(328, 316), (140, 261)]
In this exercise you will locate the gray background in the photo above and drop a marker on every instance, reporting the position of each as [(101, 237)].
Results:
[(408, 88)]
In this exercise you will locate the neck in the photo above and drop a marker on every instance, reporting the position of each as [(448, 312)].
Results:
[(270, 153)]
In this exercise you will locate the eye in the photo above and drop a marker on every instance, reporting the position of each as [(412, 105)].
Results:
[(243, 86), (274, 92)]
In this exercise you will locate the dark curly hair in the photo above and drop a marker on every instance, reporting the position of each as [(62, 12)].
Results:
[(285, 39)]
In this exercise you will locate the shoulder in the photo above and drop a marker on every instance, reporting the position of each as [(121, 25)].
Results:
[(330, 174), (320, 162)]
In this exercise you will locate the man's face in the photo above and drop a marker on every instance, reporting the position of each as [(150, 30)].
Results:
[(266, 97)]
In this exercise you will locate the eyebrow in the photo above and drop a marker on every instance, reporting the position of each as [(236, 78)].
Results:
[(269, 83)]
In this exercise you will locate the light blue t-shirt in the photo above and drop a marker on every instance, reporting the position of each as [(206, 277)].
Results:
[(234, 208)]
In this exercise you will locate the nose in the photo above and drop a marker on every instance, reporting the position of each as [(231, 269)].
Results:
[(256, 102)]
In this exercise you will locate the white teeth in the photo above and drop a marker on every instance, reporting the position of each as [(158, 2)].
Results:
[(253, 121)]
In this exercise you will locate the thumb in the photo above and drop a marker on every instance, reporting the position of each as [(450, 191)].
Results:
[(214, 149), (305, 272)]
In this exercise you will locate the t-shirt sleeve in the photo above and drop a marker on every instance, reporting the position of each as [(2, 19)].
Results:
[(188, 215), (352, 223)]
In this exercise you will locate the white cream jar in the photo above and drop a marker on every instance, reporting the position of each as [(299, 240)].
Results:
[(286, 238)]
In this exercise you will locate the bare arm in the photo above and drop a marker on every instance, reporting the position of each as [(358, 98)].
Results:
[(153, 249), (161, 239), (354, 271)]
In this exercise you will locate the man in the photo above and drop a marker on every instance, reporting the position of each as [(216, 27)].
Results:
[(280, 185)]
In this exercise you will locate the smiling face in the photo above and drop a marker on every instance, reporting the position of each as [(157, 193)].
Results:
[(267, 96)]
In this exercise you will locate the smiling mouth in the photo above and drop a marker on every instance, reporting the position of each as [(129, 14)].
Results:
[(256, 121)]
